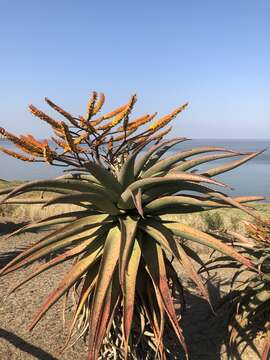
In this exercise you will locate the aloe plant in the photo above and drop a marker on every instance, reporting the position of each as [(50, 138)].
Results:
[(249, 316), (120, 242)]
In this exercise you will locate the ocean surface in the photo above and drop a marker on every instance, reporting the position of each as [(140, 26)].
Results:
[(252, 178)]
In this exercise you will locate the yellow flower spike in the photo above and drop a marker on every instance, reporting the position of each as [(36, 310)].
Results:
[(99, 104), (42, 116), (16, 155), (117, 119), (108, 115), (91, 105), (135, 124), (167, 118), (68, 137), (120, 116)]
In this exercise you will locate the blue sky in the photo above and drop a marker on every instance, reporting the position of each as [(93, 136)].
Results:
[(214, 54)]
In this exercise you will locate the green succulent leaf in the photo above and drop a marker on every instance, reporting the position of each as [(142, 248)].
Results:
[(232, 165), (105, 177), (187, 232), (127, 172), (165, 164), (189, 164), (144, 184), (98, 200), (146, 158), (55, 185)]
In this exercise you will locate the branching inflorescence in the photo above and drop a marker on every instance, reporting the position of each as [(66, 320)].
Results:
[(102, 138)]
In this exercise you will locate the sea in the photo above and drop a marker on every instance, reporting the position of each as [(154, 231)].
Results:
[(251, 178)]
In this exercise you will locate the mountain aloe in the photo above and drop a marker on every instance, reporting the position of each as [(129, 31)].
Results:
[(121, 244)]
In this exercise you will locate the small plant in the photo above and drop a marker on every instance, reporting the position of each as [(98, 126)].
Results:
[(118, 239), (250, 314), (249, 302), (214, 221)]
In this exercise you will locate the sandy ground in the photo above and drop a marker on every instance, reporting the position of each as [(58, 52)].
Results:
[(204, 333)]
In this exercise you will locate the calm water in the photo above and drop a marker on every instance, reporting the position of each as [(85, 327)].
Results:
[(252, 178)]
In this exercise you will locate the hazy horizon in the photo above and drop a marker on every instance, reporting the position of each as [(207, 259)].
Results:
[(251, 178)]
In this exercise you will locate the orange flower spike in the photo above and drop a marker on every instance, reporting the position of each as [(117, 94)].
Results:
[(21, 143), (32, 143), (14, 139), (16, 155), (167, 118), (91, 105), (62, 112), (35, 141), (29, 147), (68, 137), (99, 104), (42, 116)]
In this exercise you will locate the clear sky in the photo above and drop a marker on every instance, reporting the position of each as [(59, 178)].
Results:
[(213, 53)]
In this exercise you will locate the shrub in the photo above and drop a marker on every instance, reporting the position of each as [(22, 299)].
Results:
[(118, 239), (214, 221), (249, 302), (250, 310)]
